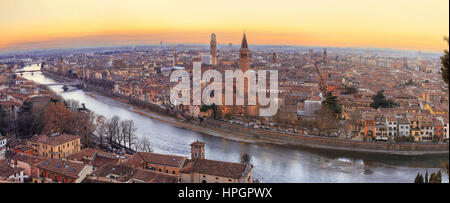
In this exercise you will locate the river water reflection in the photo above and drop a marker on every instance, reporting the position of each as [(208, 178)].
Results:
[(272, 163)]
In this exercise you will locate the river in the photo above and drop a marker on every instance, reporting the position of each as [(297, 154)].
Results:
[(272, 163)]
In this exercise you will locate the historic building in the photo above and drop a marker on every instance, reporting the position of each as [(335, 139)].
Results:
[(244, 65), (244, 55), (163, 163), (325, 57), (55, 146), (213, 49), (198, 169), (10, 174), (61, 171)]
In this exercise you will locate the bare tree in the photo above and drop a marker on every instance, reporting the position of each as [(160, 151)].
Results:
[(101, 131), (143, 145), (85, 126), (347, 128), (355, 120), (72, 104), (112, 129), (128, 132)]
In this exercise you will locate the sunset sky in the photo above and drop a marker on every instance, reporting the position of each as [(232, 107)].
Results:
[(398, 24)]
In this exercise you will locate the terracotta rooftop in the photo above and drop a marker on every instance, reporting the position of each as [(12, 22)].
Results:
[(159, 159), (216, 168), (198, 143), (6, 170), (124, 172), (154, 177), (67, 168), (85, 153), (127, 173), (101, 160), (29, 159), (53, 140)]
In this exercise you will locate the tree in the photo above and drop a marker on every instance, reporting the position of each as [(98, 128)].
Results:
[(143, 145), (212, 107), (245, 158), (353, 122), (435, 139), (445, 63), (419, 178), (128, 132), (72, 104), (380, 101), (31, 120), (331, 102), (436, 177), (326, 120), (101, 130), (112, 129), (85, 126), (59, 119)]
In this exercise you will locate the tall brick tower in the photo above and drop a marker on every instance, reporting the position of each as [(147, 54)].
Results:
[(213, 49), (244, 55), (325, 57), (244, 65)]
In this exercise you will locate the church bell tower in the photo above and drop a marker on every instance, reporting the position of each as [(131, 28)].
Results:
[(244, 55)]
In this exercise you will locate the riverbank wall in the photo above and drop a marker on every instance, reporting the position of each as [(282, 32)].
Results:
[(331, 143)]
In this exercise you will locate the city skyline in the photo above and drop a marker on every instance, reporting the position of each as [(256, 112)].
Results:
[(404, 25)]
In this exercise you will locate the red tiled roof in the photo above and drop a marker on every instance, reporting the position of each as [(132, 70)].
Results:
[(67, 168), (154, 177), (26, 158), (217, 168), (159, 159), (53, 140), (6, 170), (87, 152)]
